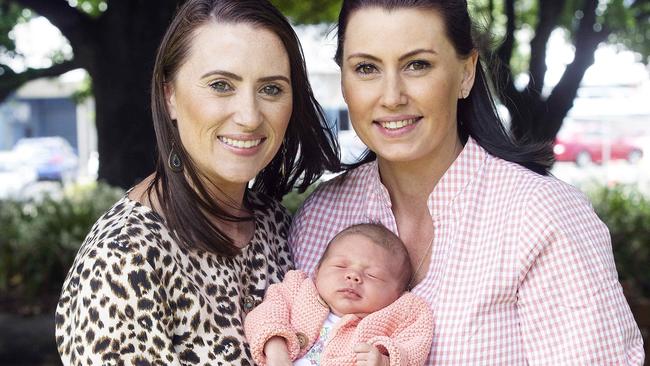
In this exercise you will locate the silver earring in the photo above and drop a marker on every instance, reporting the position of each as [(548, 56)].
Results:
[(174, 161)]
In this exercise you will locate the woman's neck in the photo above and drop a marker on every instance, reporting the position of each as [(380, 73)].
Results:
[(413, 181), (231, 200)]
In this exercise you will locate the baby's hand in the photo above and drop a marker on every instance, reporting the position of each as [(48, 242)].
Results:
[(276, 352), (368, 355)]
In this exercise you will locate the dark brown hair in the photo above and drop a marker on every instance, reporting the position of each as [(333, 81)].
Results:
[(381, 236), (477, 114), (307, 150)]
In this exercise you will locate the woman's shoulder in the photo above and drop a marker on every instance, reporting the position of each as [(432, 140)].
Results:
[(269, 209), (126, 229), (533, 184), (349, 185), (546, 198)]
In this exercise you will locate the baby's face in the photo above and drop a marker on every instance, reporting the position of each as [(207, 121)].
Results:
[(358, 276)]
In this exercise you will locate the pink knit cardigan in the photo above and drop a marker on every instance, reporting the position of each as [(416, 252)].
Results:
[(292, 310)]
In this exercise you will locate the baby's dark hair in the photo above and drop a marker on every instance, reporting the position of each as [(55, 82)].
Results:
[(380, 235)]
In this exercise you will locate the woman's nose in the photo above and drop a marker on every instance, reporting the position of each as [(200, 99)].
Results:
[(393, 96), (248, 113)]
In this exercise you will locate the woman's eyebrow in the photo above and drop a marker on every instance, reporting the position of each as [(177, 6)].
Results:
[(227, 74), (403, 57), (234, 76), (274, 78), (363, 55), (415, 52)]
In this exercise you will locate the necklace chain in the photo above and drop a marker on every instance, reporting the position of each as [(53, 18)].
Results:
[(417, 269)]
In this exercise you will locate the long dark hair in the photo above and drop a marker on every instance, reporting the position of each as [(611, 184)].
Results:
[(307, 150), (477, 114)]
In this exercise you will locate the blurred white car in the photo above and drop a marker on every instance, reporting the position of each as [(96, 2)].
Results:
[(15, 177), (52, 157)]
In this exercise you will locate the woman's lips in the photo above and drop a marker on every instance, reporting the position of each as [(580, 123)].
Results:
[(396, 123), (244, 146), (396, 127)]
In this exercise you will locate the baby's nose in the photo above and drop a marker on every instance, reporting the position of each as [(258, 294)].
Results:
[(353, 276)]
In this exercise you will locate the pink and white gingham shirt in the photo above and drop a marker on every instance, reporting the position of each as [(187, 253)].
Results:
[(521, 269)]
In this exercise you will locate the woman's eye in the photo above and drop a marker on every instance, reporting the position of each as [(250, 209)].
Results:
[(418, 65), (221, 86), (271, 90), (365, 69)]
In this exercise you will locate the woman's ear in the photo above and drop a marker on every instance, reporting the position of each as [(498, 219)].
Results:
[(469, 73), (170, 99)]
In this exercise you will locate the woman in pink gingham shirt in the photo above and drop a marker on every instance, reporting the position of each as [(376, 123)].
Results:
[(515, 264)]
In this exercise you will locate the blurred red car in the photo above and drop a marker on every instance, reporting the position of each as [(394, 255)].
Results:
[(590, 146)]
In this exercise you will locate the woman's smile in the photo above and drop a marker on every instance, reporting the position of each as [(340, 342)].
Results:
[(242, 145), (396, 126)]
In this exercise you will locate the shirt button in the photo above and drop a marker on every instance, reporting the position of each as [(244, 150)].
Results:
[(302, 340), (249, 303)]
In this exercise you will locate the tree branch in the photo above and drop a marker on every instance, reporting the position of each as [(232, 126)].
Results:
[(637, 3), (491, 13), (549, 13), (500, 65), (501, 72), (74, 25), (505, 50), (641, 16), (11, 81), (587, 39)]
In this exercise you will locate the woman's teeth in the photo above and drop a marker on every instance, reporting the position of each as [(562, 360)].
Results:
[(242, 144), (393, 125)]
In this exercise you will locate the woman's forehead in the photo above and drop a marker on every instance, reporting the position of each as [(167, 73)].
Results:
[(375, 28), (233, 46)]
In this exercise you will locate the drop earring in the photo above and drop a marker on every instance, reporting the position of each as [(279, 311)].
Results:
[(174, 160)]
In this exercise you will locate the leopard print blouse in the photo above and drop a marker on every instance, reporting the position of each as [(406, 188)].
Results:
[(135, 297)]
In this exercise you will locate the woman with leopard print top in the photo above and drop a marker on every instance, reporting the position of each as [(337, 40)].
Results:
[(167, 274)]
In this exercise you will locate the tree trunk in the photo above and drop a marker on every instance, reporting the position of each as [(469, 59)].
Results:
[(126, 142), (118, 49), (123, 59)]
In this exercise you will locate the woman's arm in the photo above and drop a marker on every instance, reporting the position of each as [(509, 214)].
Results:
[(570, 303)]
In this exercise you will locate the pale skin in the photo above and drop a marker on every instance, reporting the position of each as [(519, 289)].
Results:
[(355, 277), (231, 111), (400, 67)]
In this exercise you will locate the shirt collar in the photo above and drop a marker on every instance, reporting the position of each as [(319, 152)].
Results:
[(459, 175)]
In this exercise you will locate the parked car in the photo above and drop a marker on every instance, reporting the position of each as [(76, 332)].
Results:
[(52, 157), (14, 176), (590, 146)]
